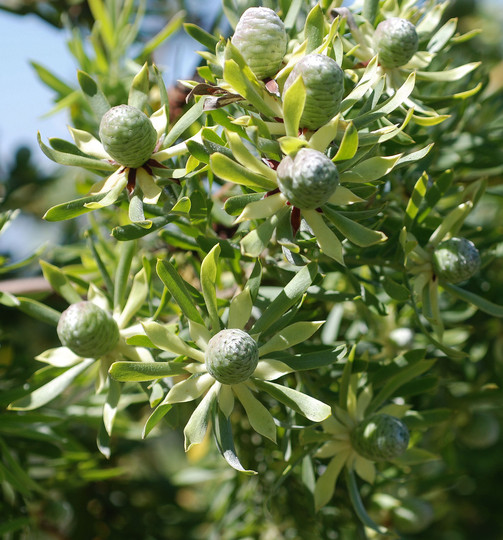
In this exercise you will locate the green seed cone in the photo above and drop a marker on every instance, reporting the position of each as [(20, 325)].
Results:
[(396, 41), (324, 82), (380, 437), (261, 38), (231, 356), (308, 180), (128, 135), (87, 330), (456, 260)]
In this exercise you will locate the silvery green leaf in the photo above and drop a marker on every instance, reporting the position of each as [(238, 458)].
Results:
[(75, 160), (448, 75), (240, 309), (353, 231), (349, 144), (59, 357), (311, 408), (325, 237), (47, 392), (243, 156), (144, 371), (293, 105), (209, 268), (196, 427), (111, 404), (260, 418), (262, 208), (60, 283), (371, 169), (230, 170), (487, 306), (225, 442), (177, 287), (288, 296), (93, 94), (189, 389), (136, 298), (288, 337), (325, 485), (165, 339)]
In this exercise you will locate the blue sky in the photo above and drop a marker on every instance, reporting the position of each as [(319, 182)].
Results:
[(24, 99)]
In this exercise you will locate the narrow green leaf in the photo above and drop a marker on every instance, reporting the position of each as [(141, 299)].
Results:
[(325, 237), (136, 298), (176, 286), (111, 404), (127, 251), (74, 160), (325, 485), (288, 337), (355, 232), (94, 96), (209, 268), (184, 122), (50, 390), (195, 429), (416, 200), (225, 442), (349, 144), (314, 28), (240, 309), (60, 283), (138, 92), (205, 38), (290, 295), (356, 501), (38, 310), (245, 83), (294, 100), (241, 154), (231, 171), (487, 306), (144, 371), (158, 414), (260, 418), (313, 360), (394, 383), (308, 406), (163, 338), (370, 169), (52, 80)]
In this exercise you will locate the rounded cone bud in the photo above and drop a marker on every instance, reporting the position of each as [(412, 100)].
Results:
[(396, 41), (128, 135), (456, 260), (308, 180), (261, 38), (324, 82), (87, 330), (380, 437), (231, 356)]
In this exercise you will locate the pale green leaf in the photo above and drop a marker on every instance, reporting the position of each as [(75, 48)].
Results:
[(209, 270), (311, 408), (231, 171), (294, 99), (260, 418), (163, 338), (189, 389), (325, 485), (291, 335), (240, 309), (144, 371), (196, 427), (47, 392)]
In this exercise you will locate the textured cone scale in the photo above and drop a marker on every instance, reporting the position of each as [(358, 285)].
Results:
[(456, 259), (231, 356), (87, 330), (324, 82), (380, 437), (308, 180), (396, 41), (261, 38), (128, 135)]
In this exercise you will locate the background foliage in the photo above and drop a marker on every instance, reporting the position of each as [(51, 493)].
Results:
[(55, 482)]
